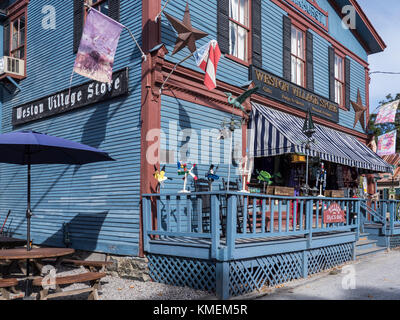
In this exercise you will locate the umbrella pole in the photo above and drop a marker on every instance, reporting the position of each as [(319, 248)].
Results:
[(28, 234), (28, 211)]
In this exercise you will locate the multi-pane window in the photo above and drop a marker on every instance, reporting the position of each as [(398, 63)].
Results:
[(17, 45), (298, 57), (339, 80), (100, 5), (239, 28)]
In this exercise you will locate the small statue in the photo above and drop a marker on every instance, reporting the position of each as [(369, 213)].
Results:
[(159, 175), (183, 170)]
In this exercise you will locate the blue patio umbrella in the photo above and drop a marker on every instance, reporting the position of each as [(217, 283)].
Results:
[(29, 147)]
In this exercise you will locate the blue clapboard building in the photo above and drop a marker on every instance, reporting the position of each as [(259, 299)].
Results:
[(299, 52)]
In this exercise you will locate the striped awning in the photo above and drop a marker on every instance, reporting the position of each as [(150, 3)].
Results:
[(276, 133)]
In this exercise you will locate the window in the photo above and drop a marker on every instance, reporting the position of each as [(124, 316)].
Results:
[(239, 29), (17, 45), (100, 5), (298, 57), (339, 81)]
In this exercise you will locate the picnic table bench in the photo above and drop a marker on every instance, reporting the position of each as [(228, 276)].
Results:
[(7, 287), (92, 266), (93, 278)]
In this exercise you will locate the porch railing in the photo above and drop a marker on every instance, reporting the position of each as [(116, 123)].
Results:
[(225, 220), (386, 212)]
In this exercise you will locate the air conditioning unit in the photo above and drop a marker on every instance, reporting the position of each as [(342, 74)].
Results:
[(12, 66)]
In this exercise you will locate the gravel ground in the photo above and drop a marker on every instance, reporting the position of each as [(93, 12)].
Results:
[(115, 288), (377, 277)]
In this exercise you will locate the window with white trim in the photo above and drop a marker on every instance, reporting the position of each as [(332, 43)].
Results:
[(239, 28)]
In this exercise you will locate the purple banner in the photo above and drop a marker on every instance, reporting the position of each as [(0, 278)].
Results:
[(95, 57)]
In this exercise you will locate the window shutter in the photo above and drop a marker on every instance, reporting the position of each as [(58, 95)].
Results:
[(310, 60), (347, 83), (78, 23), (331, 74), (6, 41), (223, 25), (114, 9), (287, 48), (256, 33)]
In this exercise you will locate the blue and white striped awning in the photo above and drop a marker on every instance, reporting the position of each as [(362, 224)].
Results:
[(275, 133)]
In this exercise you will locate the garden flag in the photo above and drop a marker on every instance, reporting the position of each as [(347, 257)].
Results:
[(387, 113), (207, 58), (387, 143), (95, 57)]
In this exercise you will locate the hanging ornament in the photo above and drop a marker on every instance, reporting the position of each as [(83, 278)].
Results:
[(360, 111)]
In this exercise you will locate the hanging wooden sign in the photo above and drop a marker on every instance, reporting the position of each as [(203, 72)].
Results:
[(334, 214), (70, 99)]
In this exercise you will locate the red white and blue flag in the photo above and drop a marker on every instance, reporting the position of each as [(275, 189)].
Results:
[(207, 58)]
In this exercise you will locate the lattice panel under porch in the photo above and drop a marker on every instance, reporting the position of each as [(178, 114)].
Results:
[(394, 241), (328, 257), (183, 272), (249, 275)]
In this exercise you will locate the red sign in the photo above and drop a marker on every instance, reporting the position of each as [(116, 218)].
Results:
[(334, 214)]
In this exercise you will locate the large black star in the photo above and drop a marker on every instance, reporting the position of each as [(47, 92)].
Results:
[(187, 35), (360, 110)]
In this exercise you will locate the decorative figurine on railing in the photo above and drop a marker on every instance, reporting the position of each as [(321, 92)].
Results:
[(321, 180), (266, 178), (211, 175), (237, 102), (183, 171), (159, 175), (244, 171)]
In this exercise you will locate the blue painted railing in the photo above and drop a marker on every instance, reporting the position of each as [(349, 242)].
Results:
[(226, 219), (386, 212)]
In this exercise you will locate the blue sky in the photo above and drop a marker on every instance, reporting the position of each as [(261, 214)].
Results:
[(385, 16)]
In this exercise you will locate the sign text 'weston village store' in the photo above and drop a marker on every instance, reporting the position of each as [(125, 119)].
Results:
[(70, 99), (281, 90)]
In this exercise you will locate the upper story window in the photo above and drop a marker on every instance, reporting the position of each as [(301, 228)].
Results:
[(14, 40), (18, 41), (339, 81), (99, 5), (239, 29), (298, 61)]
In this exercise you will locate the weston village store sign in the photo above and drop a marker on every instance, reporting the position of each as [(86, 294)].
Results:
[(288, 93), (70, 99)]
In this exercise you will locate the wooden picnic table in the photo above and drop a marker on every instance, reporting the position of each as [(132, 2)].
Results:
[(19, 256), (35, 253), (8, 242)]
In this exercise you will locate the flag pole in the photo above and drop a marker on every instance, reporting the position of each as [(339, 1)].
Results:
[(130, 32), (162, 10), (173, 70)]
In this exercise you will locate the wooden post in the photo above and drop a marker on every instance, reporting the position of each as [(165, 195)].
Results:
[(231, 224), (150, 101), (215, 224), (222, 275)]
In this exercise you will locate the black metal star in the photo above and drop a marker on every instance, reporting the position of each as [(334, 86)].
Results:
[(187, 35), (360, 110)]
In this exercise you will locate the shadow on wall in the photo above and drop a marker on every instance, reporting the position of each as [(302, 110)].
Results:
[(80, 233)]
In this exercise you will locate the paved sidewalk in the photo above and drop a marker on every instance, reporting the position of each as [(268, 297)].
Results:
[(377, 277)]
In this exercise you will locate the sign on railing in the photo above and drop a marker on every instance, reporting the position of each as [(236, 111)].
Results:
[(334, 214)]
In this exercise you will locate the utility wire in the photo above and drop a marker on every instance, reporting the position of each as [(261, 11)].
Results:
[(384, 72)]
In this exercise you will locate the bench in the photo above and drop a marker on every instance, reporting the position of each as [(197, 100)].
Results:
[(7, 287), (92, 266), (92, 277)]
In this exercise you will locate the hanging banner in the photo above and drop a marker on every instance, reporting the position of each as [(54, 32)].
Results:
[(387, 143), (95, 57), (387, 113)]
